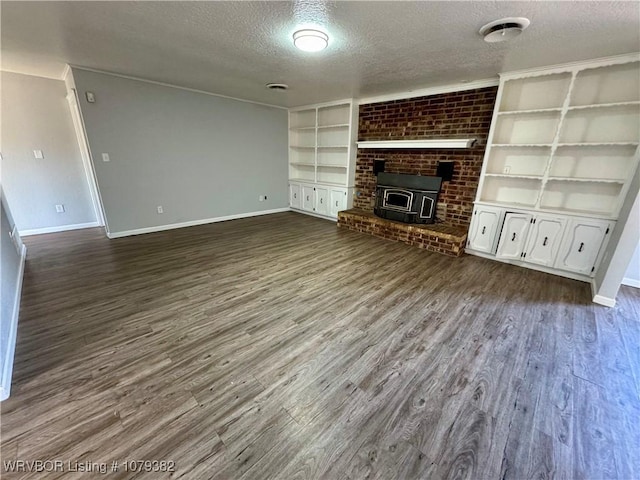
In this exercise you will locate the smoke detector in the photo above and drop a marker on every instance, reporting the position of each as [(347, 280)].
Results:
[(277, 86), (504, 29)]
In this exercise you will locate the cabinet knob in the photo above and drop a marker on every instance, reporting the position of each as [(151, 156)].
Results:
[(581, 247), (544, 242), (336, 203), (320, 199), (295, 195), (483, 230), (514, 237), (307, 198)]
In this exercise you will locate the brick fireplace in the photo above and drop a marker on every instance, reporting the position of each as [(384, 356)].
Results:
[(465, 114)]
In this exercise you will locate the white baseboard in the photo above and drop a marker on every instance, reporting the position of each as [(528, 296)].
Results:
[(606, 301), (5, 381), (631, 282), (60, 228), (193, 223)]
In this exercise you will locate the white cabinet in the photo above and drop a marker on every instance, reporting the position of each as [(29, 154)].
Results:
[(581, 245), (544, 240), (294, 195), (322, 154), (484, 228), (559, 244), (321, 205), (318, 199), (308, 198), (337, 201), (514, 236), (562, 149)]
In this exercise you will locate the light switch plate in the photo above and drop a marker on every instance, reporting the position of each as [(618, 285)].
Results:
[(38, 154), (91, 98), (105, 157), (60, 208)]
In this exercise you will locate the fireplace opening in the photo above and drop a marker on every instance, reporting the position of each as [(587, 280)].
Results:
[(407, 198)]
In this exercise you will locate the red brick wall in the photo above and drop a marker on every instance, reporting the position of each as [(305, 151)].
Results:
[(455, 115)]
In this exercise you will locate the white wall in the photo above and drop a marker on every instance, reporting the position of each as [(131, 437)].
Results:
[(632, 275), (11, 271), (622, 244), (199, 156), (36, 116)]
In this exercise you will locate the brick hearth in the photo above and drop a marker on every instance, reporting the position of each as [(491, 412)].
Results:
[(437, 237)]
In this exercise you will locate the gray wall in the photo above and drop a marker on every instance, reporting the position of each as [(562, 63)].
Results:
[(36, 116), (9, 288), (622, 244), (197, 155)]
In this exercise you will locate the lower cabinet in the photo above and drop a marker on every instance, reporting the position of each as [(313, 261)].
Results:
[(308, 198), (544, 240), (337, 201), (318, 199), (514, 236), (561, 243), (294, 195), (581, 247), (484, 229)]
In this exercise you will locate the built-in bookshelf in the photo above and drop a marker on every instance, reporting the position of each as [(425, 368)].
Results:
[(322, 153), (564, 139), (321, 144)]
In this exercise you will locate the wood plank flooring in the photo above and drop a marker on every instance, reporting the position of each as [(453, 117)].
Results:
[(281, 347)]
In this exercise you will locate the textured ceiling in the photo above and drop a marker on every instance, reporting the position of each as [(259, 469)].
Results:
[(235, 48)]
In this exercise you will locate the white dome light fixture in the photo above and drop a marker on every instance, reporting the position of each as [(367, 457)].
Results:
[(309, 40), (504, 29)]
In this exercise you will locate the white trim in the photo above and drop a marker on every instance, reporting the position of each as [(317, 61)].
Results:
[(532, 266), (162, 84), (193, 223), (424, 92), (313, 214), (7, 371), (85, 153), (631, 282), (435, 143), (59, 228), (568, 67), (332, 103), (65, 72), (606, 301)]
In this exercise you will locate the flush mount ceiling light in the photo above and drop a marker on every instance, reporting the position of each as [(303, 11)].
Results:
[(277, 86), (504, 29), (309, 40)]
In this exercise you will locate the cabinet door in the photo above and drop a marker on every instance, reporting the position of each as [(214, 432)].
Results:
[(484, 227), (514, 236), (581, 244), (294, 195), (337, 201), (308, 198), (544, 240), (322, 193)]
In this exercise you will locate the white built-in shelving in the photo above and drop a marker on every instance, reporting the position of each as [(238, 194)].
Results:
[(561, 153), (564, 139), (322, 156)]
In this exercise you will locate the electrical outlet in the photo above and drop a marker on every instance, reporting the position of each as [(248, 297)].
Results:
[(38, 154), (60, 208), (262, 198), (160, 209)]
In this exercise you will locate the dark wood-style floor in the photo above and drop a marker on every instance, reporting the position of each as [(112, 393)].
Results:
[(283, 347)]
